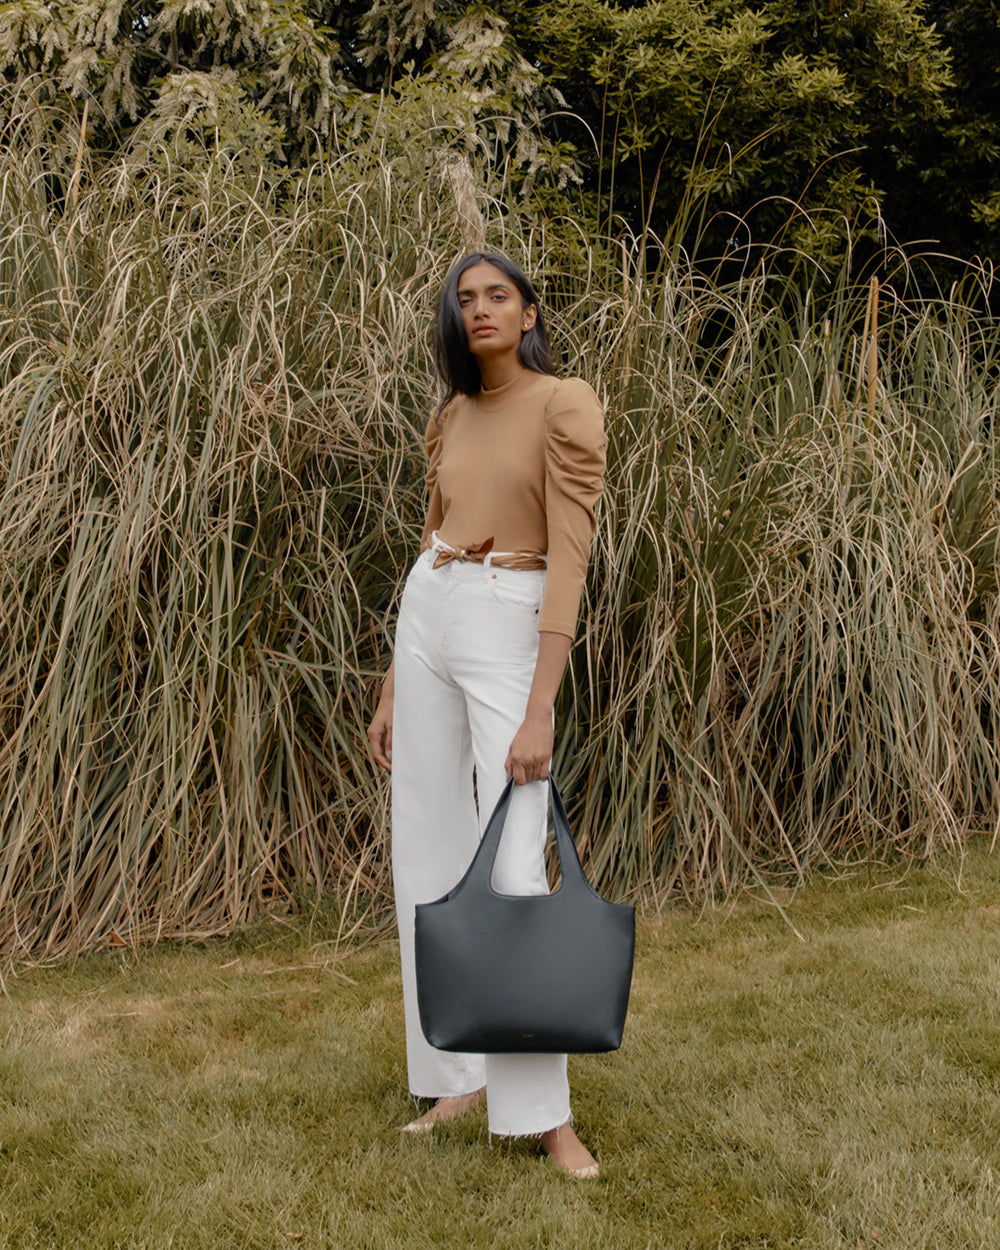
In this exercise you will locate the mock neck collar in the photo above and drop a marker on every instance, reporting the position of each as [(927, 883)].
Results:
[(500, 396)]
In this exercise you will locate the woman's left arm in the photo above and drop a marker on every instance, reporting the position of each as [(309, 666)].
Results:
[(574, 469), (531, 749)]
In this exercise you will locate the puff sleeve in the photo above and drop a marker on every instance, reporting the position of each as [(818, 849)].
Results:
[(575, 457), (435, 508)]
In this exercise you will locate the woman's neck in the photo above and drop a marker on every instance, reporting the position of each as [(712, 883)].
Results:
[(497, 373)]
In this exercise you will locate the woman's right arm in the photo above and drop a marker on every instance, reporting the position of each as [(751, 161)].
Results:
[(380, 729)]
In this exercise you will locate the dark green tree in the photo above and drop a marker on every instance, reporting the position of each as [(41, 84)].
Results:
[(784, 99), (942, 177), (847, 108), (741, 109)]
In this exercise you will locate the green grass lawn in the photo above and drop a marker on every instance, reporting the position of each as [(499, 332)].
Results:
[(838, 1091)]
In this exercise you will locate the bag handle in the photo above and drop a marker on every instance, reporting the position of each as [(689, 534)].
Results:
[(479, 875)]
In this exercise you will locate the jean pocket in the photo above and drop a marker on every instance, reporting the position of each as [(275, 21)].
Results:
[(517, 588)]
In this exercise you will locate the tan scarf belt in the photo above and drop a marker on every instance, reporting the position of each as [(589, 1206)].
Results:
[(483, 553)]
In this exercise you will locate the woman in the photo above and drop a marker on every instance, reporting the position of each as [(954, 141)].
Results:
[(487, 617)]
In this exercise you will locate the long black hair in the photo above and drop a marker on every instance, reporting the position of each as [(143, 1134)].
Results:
[(458, 367)]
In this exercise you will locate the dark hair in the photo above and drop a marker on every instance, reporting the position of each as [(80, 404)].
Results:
[(458, 367)]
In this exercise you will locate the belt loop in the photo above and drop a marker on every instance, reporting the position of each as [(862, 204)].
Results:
[(487, 559)]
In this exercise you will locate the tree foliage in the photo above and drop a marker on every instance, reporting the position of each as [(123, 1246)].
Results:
[(284, 82), (942, 175), (273, 67), (813, 102), (855, 107), (757, 105)]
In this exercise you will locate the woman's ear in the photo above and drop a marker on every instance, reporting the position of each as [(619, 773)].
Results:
[(528, 317)]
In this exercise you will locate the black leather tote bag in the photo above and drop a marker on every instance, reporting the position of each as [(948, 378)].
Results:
[(498, 973)]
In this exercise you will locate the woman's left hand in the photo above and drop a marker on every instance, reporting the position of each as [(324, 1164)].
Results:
[(530, 752)]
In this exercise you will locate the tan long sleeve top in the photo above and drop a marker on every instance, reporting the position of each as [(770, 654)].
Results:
[(522, 464)]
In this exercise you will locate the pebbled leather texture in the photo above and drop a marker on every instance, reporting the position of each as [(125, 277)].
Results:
[(499, 973)]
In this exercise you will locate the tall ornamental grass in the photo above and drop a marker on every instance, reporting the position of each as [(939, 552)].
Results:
[(213, 390)]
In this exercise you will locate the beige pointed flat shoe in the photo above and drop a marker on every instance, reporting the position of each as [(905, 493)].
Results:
[(589, 1173), (415, 1126), (550, 1142), (464, 1103)]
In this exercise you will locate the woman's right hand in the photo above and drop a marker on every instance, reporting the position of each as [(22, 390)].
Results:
[(380, 729)]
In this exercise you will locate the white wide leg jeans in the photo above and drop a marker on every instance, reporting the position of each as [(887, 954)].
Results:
[(466, 643)]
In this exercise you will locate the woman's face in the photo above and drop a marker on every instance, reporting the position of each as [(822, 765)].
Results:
[(492, 310)]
